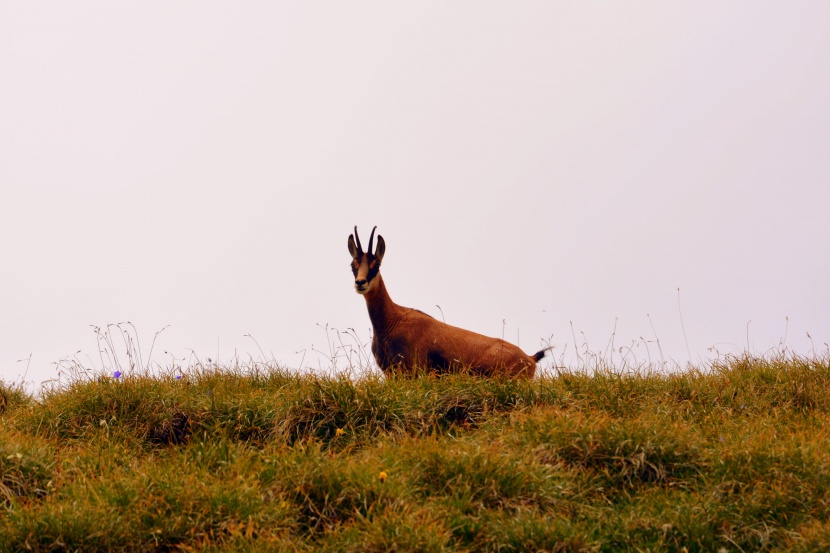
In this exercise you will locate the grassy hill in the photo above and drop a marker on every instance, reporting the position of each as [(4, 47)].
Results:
[(732, 458)]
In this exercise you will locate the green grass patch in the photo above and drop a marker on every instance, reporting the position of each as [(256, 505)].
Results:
[(735, 457)]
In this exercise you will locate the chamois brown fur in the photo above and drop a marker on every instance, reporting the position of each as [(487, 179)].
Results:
[(407, 340)]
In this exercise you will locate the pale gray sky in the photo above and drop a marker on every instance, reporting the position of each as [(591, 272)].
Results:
[(529, 164)]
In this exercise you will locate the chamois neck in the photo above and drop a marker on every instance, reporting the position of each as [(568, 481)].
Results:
[(380, 305)]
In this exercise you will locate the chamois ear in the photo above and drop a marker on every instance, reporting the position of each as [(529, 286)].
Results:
[(352, 247), (381, 249)]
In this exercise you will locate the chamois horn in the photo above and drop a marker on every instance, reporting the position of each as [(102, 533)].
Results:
[(357, 239), (372, 239)]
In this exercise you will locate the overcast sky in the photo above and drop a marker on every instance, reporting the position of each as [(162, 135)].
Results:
[(534, 167)]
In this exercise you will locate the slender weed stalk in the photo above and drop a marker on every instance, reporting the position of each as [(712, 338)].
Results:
[(613, 454)]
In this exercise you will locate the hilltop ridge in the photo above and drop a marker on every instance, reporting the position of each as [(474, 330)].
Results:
[(735, 457)]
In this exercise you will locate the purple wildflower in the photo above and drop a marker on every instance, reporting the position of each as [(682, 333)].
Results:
[(116, 374)]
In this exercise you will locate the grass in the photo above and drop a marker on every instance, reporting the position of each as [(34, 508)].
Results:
[(735, 457)]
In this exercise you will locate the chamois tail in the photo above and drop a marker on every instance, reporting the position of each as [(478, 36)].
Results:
[(539, 354)]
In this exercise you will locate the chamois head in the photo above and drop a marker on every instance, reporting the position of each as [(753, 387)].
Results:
[(365, 265)]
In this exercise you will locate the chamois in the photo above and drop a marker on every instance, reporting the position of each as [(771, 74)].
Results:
[(406, 340)]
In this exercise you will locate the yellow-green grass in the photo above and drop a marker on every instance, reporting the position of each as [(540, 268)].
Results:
[(735, 457)]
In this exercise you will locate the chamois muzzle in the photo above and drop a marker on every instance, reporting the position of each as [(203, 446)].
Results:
[(363, 274)]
